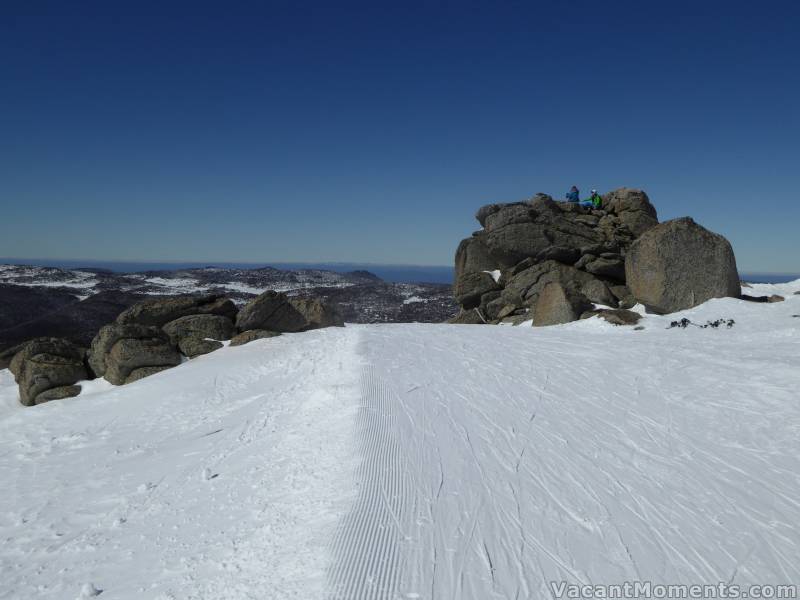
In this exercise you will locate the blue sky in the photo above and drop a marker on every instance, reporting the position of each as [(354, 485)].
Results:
[(257, 131)]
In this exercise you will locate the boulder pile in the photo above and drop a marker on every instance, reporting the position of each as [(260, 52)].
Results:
[(554, 262), (155, 335)]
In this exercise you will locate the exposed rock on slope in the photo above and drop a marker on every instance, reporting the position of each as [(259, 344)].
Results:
[(152, 336), (120, 349), (47, 369), (199, 334), (277, 312), (535, 243), (613, 256), (558, 304), (679, 264), (162, 311)]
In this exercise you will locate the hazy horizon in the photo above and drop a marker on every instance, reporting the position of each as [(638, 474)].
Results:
[(393, 272)]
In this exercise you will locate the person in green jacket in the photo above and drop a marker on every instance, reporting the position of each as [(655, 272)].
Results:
[(596, 200)]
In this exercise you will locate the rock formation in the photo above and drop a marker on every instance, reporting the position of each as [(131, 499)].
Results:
[(614, 257), (155, 335), (199, 334), (274, 311), (524, 246), (120, 351), (47, 369)]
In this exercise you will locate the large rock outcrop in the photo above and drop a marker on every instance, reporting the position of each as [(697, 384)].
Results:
[(680, 264), (47, 369), (613, 257), (501, 270), (275, 311)]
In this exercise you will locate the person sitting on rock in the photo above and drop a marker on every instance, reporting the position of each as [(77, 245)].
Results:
[(573, 195), (596, 200), (592, 202)]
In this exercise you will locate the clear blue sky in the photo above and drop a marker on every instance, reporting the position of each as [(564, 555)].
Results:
[(258, 131)]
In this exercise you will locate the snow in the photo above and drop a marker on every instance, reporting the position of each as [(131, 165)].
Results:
[(177, 285), (107, 488), (495, 274), (768, 289), (419, 461), (79, 280)]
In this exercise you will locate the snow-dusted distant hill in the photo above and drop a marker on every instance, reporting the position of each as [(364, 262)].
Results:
[(74, 303), (238, 283), (420, 461)]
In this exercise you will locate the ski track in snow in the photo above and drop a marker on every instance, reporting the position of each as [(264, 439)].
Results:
[(406, 461)]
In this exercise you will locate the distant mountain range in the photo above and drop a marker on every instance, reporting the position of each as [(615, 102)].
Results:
[(390, 273), (75, 302)]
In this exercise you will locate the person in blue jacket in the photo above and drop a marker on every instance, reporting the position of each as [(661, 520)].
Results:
[(573, 195)]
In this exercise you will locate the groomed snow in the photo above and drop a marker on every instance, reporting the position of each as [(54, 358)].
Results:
[(420, 461), (223, 478)]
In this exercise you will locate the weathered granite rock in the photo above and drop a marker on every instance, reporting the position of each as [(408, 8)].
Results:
[(119, 349), (277, 312), (251, 335), (679, 264), (193, 346), (44, 364), (215, 327), (540, 241), (142, 372), (161, 311), (58, 393), (558, 304), (633, 208)]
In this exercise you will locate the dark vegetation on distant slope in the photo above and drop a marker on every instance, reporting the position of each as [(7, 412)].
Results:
[(54, 309)]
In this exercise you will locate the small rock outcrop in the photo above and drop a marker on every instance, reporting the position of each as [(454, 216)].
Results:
[(48, 369), (199, 334), (161, 311), (252, 335), (120, 350), (680, 264), (275, 311)]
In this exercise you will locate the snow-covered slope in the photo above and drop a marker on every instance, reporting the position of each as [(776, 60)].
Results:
[(420, 461)]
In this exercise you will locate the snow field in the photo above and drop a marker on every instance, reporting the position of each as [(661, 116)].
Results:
[(419, 461), (224, 478)]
